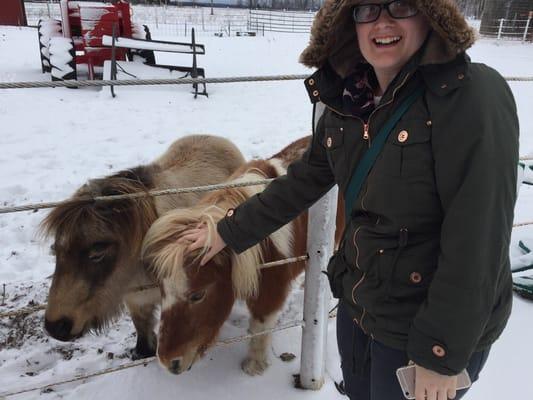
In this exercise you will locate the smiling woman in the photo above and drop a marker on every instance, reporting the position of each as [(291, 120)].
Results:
[(424, 145)]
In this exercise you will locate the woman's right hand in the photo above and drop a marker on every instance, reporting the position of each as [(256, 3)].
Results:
[(197, 238)]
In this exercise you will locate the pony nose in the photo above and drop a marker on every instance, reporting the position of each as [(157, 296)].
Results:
[(59, 329), (174, 366)]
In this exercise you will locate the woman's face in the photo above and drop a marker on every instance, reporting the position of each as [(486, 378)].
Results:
[(388, 43)]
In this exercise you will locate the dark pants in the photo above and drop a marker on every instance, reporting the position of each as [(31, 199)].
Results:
[(369, 367)]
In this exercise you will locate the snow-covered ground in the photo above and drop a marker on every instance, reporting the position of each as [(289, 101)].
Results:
[(53, 140)]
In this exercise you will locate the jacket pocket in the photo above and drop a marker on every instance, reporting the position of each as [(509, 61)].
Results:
[(411, 145), (333, 141)]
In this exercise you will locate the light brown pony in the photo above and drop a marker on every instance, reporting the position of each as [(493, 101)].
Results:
[(97, 245), (197, 300)]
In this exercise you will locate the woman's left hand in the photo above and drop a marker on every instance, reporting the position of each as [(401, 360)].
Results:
[(430, 385)]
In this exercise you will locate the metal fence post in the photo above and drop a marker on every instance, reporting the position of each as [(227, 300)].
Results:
[(320, 244), (500, 29), (527, 28)]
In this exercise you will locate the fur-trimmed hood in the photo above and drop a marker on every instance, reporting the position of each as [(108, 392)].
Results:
[(334, 39)]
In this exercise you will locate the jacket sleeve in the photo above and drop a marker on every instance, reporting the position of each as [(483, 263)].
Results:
[(306, 181), (475, 147)]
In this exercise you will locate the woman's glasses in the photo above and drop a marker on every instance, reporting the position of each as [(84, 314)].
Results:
[(397, 9)]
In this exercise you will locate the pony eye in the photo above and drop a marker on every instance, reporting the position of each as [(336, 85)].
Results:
[(98, 251), (197, 296)]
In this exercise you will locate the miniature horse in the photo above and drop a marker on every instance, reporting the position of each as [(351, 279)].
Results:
[(197, 300), (97, 245)]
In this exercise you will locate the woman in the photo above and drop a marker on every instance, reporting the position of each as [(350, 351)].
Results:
[(423, 272)]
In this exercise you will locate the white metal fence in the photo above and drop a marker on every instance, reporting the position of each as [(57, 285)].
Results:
[(518, 29), (281, 21)]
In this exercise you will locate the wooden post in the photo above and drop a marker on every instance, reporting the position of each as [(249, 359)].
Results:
[(320, 244)]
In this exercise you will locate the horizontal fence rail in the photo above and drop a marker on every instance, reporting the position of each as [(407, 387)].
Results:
[(139, 82), (137, 195), (179, 81)]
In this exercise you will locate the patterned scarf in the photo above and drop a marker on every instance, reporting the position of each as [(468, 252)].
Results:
[(358, 95)]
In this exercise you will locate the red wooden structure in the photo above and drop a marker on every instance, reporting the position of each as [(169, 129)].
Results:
[(13, 13)]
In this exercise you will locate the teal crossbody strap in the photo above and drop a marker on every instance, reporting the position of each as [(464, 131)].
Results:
[(365, 165)]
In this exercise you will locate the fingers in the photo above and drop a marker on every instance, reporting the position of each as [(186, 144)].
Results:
[(452, 393), (420, 393), (431, 394)]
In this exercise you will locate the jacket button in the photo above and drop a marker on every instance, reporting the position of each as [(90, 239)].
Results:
[(415, 277), (329, 142), (315, 93), (230, 212), (429, 122), (402, 136), (311, 82), (438, 351), (381, 251)]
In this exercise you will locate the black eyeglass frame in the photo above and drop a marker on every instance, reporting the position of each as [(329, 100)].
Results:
[(382, 6)]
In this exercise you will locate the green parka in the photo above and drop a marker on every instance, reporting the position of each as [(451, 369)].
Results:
[(424, 265)]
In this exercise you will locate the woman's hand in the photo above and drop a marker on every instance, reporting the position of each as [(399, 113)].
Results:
[(198, 237), (430, 385)]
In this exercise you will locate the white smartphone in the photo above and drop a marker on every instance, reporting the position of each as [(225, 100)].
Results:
[(406, 377)]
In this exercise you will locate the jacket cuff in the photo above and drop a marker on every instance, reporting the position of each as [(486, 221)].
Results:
[(434, 354), (227, 230)]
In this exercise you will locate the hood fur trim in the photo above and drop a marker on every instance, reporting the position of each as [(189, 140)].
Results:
[(333, 36)]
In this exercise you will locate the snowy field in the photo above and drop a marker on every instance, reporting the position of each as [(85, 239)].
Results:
[(53, 140)]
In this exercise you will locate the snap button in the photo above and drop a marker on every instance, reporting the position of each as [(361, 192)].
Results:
[(461, 77), (443, 86), (341, 129), (230, 212), (329, 142), (381, 251), (438, 351), (311, 81), (415, 277), (429, 123), (402, 136), (315, 93)]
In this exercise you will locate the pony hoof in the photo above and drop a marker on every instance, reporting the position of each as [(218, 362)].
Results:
[(138, 354), (253, 366)]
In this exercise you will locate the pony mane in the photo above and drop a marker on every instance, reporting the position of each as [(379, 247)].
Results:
[(167, 257), (130, 217)]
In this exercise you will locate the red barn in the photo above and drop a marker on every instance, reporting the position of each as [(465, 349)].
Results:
[(12, 13)]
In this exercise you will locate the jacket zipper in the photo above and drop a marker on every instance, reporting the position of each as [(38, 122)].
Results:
[(366, 125), (366, 136)]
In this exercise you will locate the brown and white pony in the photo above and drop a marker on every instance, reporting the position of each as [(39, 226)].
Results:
[(197, 300), (97, 245)]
